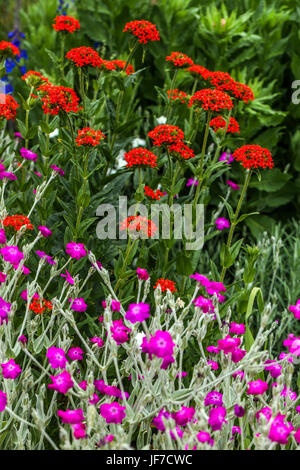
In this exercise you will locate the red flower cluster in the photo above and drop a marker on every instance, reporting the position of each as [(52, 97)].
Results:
[(139, 224), (17, 221), (35, 79), (39, 307), (7, 49), (58, 98), (212, 99), (179, 60), (66, 23), (8, 106), (165, 284), (220, 123), (253, 156), (88, 136), (143, 30), (180, 150), (166, 134), (197, 70), (224, 82), (83, 56), (116, 65), (153, 194), (177, 95), (140, 157)]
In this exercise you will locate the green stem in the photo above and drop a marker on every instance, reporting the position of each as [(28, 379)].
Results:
[(235, 218), (62, 56), (200, 177), (169, 108)]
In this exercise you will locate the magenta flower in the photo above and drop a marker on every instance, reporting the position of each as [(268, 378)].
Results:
[(279, 430), (214, 365), (142, 274), (215, 288), (115, 306), (233, 185), (184, 416), (18, 135), (76, 250), (98, 341), (83, 385), (94, 399), (179, 433), (239, 411), (203, 436), (28, 154), (161, 344), (294, 347), (237, 355), (10, 370), (217, 417), (201, 279), (3, 400), (76, 354), (71, 416), (240, 374), (79, 430), (78, 305), (45, 231), (166, 362), (295, 309), (12, 254), (22, 339), (137, 312), (57, 358), (158, 420), (214, 398), (228, 344), (68, 277), (112, 412), (213, 349), (61, 382), (24, 296), (257, 387), (119, 331), (237, 328), (4, 310), (2, 277), (2, 236), (42, 254), (192, 182), (222, 223), (57, 169), (266, 412), (296, 435), (206, 305), (274, 368), (226, 157)]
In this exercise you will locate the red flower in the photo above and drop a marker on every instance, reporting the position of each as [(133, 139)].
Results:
[(243, 92), (66, 23), (211, 99), (223, 81), (166, 134), (179, 149), (8, 106), (253, 156), (82, 56), (35, 79), (165, 284), (39, 307), (88, 136), (197, 70), (179, 59), (177, 95), (7, 49), (116, 65), (140, 157), (143, 30), (139, 224), (58, 98), (220, 123), (17, 221), (153, 194)]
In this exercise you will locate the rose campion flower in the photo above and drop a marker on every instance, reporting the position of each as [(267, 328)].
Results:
[(61, 382), (11, 370), (68, 277), (233, 185), (142, 274), (22, 339), (2, 277), (79, 430), (76, 250), (4, 311), (75, 354), (28, 154), (229, 344), (113, 412), (213, 349), (2, 236), (279, 430), (71, 416), (45, 231), (213, 398), (12, 254), (119, 331), (3, 400), (217, 417), (226, 157), (237, 328), (296, 435), (83, 385), (206, 305), (266, 412), (179, 433), (191, 182), (94, 399), (239, 411), (115, 306), (57, 169), (274, 368), (237, 355), (295, 309), (161, 344), (24, 295), (137, 312), (158, 420), (57, 358), (184, 416), (203, 281), (257, 387), (78, 305), (98, 341), (222, 223), (203, 436), (214, 365)]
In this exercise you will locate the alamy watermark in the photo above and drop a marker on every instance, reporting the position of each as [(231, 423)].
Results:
[(160, 222)]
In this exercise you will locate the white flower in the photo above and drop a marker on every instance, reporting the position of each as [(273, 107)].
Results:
[(137, 142), (162, 120), (54, 133)]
